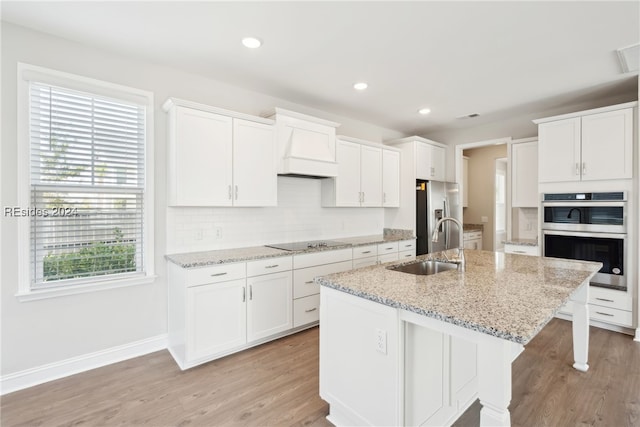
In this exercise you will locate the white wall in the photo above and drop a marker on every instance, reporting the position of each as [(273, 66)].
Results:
[(46, 331)]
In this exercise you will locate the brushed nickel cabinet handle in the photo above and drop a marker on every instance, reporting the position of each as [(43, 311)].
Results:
[(236, 192), (309, 311), (366, 252), (218, 274), (250, 292), (584, 168), (384, 197), (230, 193), (577, 168), (604, 314), (272, 266), (604, 299), (244, 294), (308, 282)]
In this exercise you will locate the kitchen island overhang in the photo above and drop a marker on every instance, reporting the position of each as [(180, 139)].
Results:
[(381, 329)]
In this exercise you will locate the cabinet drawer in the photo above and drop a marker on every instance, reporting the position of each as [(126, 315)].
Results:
[(306, 310), (215, 274), (610, 298), (365, 251), (388, 257), (406, 245), (303, 284), (470, 235), (610, 315), (269, 265), (406, 255), (364, 262), (521, 250), (385, 248), (322, 257)]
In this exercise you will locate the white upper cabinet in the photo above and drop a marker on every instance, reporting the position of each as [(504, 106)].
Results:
[(524, 175), (430, 162), (607, 145), (437, 163), (255, 180), (359, 180), (371, 176), (220, 158), (390, 178), (200, 158), (347, 183), (587, 146)]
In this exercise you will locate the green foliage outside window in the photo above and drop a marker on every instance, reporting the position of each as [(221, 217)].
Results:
[(97, 258)]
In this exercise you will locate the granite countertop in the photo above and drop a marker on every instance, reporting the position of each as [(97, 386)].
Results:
[(223, 256), (522, 242), (508, 296), (472, 227)]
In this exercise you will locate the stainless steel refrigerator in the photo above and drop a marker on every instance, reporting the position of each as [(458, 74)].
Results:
[(434, 200)]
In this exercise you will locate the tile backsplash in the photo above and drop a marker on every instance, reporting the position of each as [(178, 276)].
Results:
[(525, 223), (298, 216)]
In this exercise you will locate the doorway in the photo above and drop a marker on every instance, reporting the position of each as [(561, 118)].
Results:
[(500, 204)]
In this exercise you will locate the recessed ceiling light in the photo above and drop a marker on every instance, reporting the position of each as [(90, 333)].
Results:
[(360, 86), (252, 42), (424, 111)]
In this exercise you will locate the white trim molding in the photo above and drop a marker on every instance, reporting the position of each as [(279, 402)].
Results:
[(64, 368)]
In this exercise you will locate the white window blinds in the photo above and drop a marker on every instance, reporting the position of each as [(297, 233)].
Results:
[(87, 186)]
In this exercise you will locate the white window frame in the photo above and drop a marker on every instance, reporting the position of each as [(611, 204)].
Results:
[(27, 73)]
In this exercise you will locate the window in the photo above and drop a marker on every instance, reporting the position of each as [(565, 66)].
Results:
[(88, 209)]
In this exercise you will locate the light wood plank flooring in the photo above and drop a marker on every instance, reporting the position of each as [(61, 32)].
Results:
[(276, 384)]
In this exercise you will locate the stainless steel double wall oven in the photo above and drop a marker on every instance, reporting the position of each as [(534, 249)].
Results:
[(590, 227)]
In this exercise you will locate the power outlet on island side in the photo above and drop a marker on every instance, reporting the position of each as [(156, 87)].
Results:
[(381, 341)]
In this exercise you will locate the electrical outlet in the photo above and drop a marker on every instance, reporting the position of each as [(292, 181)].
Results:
[(381, 341), (218, 233), (199, 234), (484, 219)]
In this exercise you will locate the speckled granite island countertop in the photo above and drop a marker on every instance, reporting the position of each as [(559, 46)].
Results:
[(508, 296)]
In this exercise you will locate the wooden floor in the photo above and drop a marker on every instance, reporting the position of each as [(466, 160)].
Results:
[(276, 384)]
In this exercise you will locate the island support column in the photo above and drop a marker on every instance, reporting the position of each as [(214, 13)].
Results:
[(494, 380), (581, 328)]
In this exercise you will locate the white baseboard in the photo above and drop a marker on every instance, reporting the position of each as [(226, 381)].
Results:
[(637, 338), (64, 368)]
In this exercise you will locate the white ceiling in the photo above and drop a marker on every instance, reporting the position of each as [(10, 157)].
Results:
[(491, 58)]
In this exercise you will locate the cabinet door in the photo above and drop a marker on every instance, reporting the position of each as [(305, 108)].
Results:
[(390, 179), (607, 144), (437, 163), (423, 161), (524, 175), (348, 179), (559, 151), (270, 305), (371, 176), (200, 158), (216, 318), (255, 177)]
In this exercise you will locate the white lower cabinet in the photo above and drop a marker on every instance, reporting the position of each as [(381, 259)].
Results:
[(215, 319), (269, 309), (608, 306), (218, 310), (306, 298)]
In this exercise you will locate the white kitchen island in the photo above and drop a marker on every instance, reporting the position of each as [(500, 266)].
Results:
[(403, 349)]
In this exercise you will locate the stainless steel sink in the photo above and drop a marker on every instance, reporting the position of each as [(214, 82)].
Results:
[(424, 268)]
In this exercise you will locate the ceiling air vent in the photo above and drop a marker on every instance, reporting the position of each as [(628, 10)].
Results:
[(629, 58), (468, 116)]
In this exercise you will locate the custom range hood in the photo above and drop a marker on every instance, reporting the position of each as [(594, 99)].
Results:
[(306, 145)]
